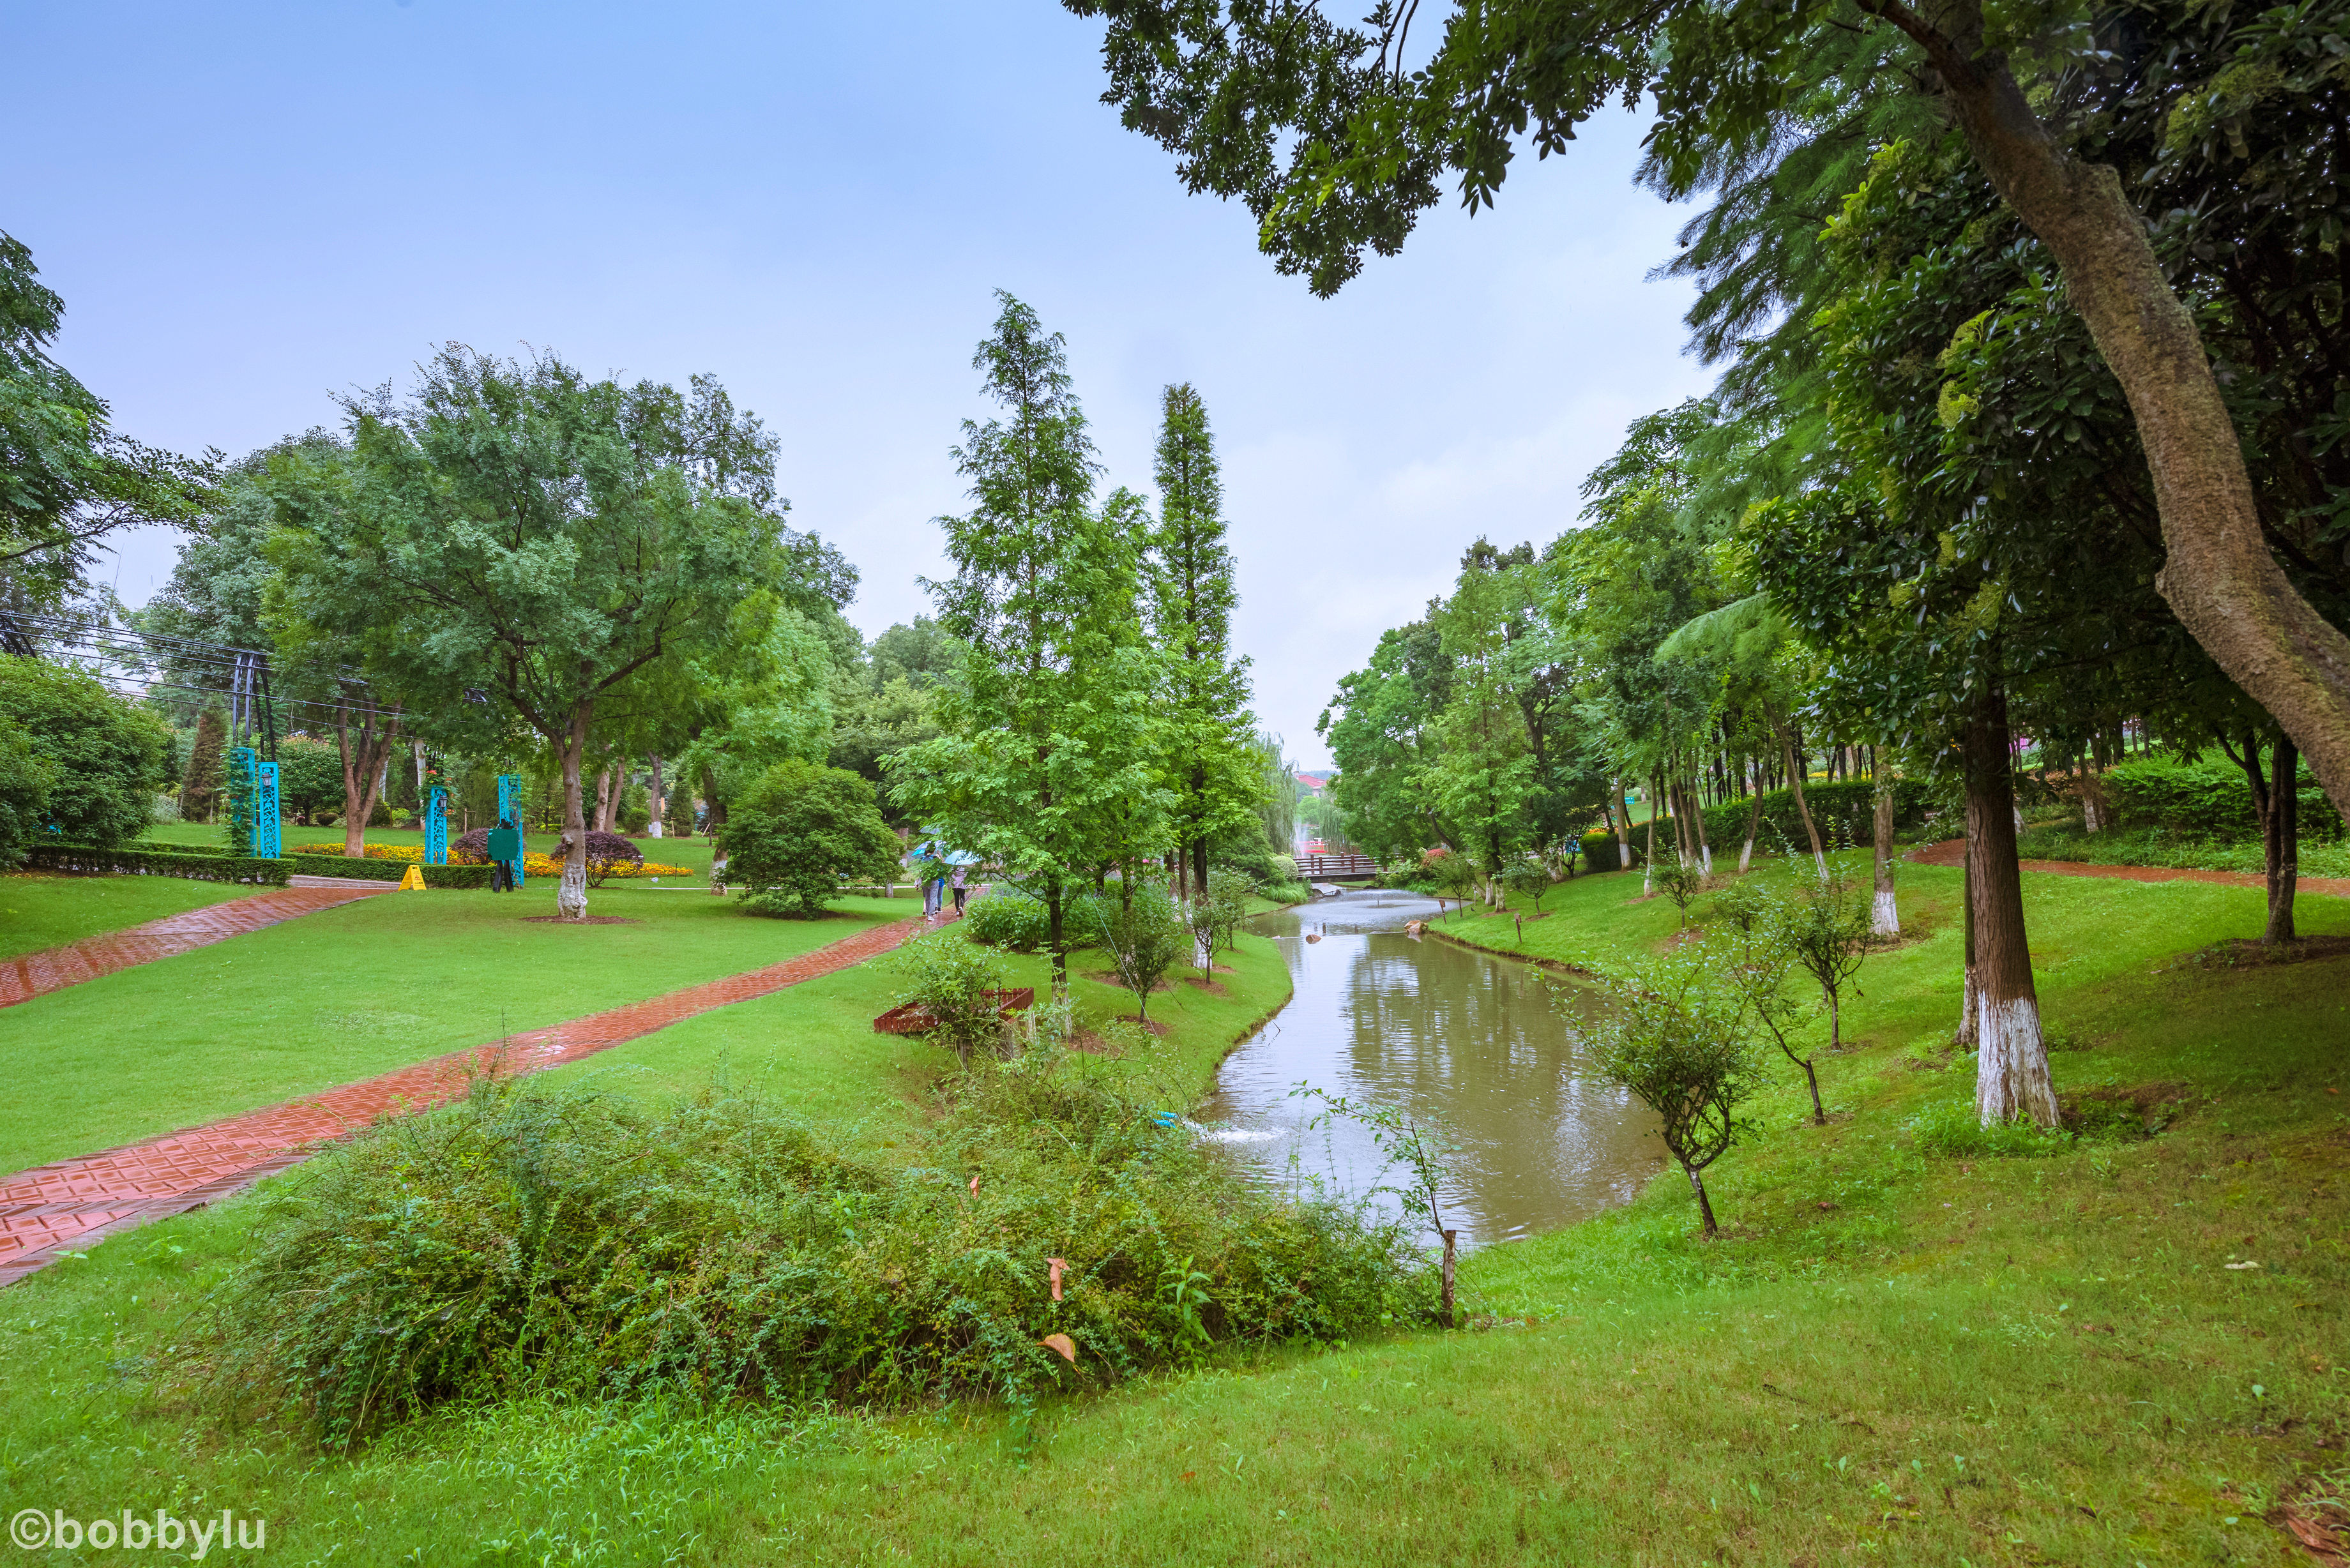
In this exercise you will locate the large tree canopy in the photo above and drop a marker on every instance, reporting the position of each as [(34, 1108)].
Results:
[(1336, 141)]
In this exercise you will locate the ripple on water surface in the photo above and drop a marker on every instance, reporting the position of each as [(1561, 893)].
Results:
[(1471, 1042)]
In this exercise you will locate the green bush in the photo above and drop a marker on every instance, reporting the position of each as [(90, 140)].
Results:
[(309, 777), (1145, 936), (956, 982), (635, 809), (199, 865), (553, 1239), (792, 837), (2208, 797), (107, 758), (24, 780), (1007, 917)]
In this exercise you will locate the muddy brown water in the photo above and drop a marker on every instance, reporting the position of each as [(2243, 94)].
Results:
[(1470, 1043)]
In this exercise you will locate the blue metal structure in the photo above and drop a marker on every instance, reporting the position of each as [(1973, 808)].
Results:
[(510, 810), (436, 828), (267, 834), (257, 785)]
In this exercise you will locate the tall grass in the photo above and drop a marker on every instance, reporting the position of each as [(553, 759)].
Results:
[(532, 1240)]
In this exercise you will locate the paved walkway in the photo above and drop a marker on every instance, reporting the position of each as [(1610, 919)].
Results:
[(1954, 852), (74, 1202), (54, 969)]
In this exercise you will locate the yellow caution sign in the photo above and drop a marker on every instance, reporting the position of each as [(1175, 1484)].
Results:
[(414, 881)]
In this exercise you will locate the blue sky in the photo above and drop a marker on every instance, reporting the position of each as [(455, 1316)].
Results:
[(248, 207)]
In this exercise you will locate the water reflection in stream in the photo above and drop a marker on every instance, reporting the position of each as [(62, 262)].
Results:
[(1467, 1041)]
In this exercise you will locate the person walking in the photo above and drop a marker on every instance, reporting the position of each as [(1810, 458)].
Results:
[(960, 892), (505, 848)]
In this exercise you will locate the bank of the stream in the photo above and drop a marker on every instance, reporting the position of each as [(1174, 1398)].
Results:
[(2122, 1350)]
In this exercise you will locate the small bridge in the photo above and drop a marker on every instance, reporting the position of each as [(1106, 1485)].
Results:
[(1337, 868)]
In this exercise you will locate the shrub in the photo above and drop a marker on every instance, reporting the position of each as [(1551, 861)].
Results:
[(2210, 797), (792, 837), (1145, 936), (1007, 917), (212, 867), (107, 758), (24, 780), (1604, 852), (1681, 879), (1527, 877), (956, 982), (609, 855), (552, 1239), (635, 809), (309, 777), (1682, 1048)]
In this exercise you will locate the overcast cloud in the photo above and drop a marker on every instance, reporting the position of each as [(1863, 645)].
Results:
[(248, 207)]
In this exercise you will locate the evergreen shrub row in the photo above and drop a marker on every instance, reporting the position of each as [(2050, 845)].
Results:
[(204, 865), (2209, 797)]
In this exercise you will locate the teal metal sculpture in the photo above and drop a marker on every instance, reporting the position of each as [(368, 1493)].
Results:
[(510, 810), (253, 801), (436, 828)]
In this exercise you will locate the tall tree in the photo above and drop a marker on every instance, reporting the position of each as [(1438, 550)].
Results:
[(518, 541), (1204, 724), (68, 478), (1336, 147), (1045, 769)]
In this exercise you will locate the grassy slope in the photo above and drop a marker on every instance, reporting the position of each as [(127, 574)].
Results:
[(352, 992), (40, 911), (812, 1049), (2012, 1360)]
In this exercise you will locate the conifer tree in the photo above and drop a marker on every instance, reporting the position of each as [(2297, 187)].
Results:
[(1205, 722), (1046, 766), (199, 785)]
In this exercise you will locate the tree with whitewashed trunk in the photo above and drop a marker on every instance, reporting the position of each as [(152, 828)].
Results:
[(1885, 915), (2012, 1051), (535, 540)]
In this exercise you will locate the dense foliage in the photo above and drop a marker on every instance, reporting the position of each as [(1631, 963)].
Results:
[(558, 1240), (797, 834), (105, 758)]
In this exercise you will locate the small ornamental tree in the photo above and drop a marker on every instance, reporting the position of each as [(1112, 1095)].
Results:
[(1749, 950), (1825, 930), (1528, 878), (107, 759), (1228, 905), (792, 837), (1145, 936), (1682, 879), (1682, 1048), (959, 983)]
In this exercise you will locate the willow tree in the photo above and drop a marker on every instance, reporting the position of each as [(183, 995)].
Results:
[(1045, 769), (1336, 147), (517, 541), (1204, 722)]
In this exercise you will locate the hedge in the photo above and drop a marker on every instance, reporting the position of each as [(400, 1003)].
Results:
[(82, 861), (392, 871), (2210, 797)]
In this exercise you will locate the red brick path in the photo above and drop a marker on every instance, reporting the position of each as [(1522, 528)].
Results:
[(1954, 852), (38, 974), (75, 1201)]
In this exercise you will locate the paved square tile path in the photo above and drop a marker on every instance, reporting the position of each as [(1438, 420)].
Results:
[(74, 1202)]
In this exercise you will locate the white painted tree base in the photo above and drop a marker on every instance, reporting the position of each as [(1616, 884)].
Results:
[(2012, 1065), (1887, 916)]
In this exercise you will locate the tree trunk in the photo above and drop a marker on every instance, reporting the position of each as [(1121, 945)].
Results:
[(2219, 580), (571, 896), (1451, 1240), (1697, 826), (1648, 871), (1886, 917), (1968, 1030), (1704, 1207), (364, 766), (2011, 1065), (1795, 788), (2281, 839), (657, 801), (1754, 824), (1057, 938), (1819, 1116)]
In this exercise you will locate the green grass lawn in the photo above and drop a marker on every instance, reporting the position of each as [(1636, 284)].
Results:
[(39, 910), (1892, 1357), (352, 992), (812, 1049)]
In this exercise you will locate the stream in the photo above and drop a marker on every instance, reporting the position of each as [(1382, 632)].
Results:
[(1470, 1043)]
